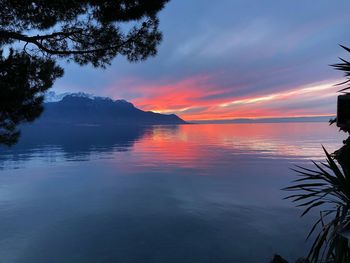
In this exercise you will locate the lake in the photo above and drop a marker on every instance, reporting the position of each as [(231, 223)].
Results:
[(188, 193)]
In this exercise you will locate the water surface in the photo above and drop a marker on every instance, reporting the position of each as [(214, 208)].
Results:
[(189, 193)]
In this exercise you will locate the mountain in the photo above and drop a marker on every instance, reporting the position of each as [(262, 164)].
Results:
[(270, 120), (52, 96), (85, 109)]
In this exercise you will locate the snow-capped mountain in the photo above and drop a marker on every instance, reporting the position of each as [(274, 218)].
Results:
[(82, 108), (52, 96)]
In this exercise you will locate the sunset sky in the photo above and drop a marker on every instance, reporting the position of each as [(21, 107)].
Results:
[(232, 59)]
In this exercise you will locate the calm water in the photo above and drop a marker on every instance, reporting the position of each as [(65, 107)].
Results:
[(190, 193)]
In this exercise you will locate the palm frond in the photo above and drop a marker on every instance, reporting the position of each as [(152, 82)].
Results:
[(326, 185), (343, 66)]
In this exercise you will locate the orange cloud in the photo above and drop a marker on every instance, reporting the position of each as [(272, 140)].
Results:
[(195, 99)]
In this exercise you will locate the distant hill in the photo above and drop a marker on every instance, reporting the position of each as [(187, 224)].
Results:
[(270, 120), (84, 109)]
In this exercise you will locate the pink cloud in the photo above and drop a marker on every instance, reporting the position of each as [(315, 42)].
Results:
[(187, 98)]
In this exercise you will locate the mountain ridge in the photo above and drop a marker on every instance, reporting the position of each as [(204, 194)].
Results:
[(267, 120), (82, 108)]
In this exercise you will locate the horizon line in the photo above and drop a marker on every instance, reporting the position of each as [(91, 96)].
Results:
[(266, 117)]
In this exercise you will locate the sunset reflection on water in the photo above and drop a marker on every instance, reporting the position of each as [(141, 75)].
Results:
[(136, 192), (197, 145)]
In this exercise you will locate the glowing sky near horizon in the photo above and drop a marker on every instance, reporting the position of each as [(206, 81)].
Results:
[(232, 59)]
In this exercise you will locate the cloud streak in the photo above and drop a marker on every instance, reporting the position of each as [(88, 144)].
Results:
[(232, 60), (198, 99)]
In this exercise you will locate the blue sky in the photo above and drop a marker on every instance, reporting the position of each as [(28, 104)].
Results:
[(232, 59)]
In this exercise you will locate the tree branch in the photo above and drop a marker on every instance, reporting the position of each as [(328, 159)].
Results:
[(38, 41)]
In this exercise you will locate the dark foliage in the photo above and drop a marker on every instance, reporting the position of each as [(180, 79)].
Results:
[(85, 32), (327, 187), (344, 66), (23, 81), (278, 259), (343, 154)]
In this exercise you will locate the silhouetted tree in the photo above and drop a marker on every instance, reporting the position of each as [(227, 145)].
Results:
[(23, 80), (33, 34), (327, 187), (343, 154)]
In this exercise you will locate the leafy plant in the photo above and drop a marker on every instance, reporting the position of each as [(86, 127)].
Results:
[(345, 67), (326, 186)]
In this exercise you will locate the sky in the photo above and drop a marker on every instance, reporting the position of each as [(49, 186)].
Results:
[(232, 59)]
